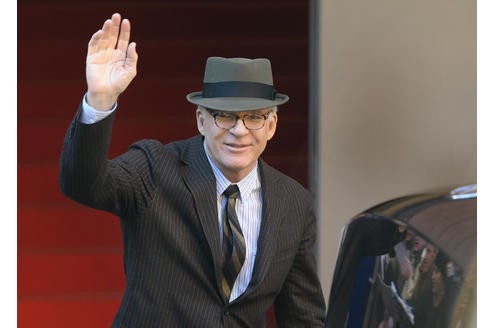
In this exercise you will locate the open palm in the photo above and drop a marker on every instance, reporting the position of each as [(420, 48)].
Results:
[(110, 63)]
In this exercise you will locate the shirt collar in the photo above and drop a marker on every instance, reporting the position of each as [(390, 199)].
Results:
[(246, 186)]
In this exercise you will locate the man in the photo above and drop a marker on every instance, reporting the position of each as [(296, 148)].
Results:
[(213, 236)]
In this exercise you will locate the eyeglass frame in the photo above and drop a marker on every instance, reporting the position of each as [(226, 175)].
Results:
[(215, 113)]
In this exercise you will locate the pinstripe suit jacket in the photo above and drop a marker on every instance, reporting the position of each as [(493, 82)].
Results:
[(166, 200)]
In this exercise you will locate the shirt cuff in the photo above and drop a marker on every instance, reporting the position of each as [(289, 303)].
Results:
[(89, 115)]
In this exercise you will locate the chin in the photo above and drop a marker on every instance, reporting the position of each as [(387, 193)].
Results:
[(237, 165)]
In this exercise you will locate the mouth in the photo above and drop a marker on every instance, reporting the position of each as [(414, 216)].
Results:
[(234, 147)]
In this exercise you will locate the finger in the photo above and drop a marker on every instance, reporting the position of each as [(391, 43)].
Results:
[(93, 42), (114, 31), (105, 35), (125, 35), (110, 32), (131, 57)]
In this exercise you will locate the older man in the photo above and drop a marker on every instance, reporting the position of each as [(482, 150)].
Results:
[(213, 236)]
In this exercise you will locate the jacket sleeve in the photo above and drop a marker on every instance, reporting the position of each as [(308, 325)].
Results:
[(300, 302), (86, 175)]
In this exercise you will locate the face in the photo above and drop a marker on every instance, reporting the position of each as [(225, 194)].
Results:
[(235, 151), (419, 244), (409, 240)]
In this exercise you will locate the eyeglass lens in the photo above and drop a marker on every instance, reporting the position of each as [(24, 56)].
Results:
[(251, 121)]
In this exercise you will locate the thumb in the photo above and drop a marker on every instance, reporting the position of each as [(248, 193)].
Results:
[(131, 56)]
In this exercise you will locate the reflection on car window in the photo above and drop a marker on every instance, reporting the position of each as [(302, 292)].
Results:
[(416, 285)]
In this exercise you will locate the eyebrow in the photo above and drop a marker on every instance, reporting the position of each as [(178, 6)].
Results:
[(213, 111)]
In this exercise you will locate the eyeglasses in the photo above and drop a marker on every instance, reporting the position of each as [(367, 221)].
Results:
[(227, 121)]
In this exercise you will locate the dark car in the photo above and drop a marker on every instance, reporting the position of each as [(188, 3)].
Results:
[(409, 262)]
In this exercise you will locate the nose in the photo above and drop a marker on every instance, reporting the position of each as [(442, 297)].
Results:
[(239, 127)]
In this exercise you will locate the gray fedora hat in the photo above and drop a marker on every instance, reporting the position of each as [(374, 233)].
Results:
[(237, 84)]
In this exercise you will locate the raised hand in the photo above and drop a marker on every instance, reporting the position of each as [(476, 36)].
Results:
[(110, 63)]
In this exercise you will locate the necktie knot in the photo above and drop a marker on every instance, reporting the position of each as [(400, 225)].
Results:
[(232, 191)]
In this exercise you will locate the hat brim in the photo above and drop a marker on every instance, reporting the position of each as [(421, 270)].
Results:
[(235, 104)]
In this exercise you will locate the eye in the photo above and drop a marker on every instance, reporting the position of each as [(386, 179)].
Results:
[(254, 117), (225, 116)]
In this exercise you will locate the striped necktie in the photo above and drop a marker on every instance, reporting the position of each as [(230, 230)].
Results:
[(234, 246)]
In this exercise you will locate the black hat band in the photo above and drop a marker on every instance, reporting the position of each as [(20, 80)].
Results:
[(238, 89)]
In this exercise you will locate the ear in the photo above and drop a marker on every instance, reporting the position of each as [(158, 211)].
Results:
[(200, 120), (272, 125)]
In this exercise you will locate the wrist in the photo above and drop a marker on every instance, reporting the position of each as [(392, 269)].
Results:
[(101, 102)]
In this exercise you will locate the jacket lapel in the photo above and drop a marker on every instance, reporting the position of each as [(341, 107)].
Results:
[(200, 180)]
